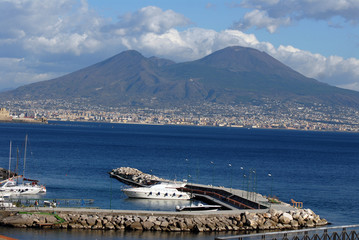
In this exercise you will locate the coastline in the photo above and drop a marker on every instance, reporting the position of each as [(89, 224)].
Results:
[(194, 125)]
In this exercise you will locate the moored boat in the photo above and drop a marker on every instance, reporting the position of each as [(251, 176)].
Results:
[(199, 207), (15, 186), (11, 187), (161, 190)]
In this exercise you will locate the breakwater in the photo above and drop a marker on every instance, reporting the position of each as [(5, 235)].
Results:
[(134, 177), (163, 221)]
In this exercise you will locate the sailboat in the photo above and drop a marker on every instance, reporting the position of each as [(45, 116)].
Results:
[(11, 185)]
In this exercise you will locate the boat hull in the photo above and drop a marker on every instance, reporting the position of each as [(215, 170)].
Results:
[(199, 208)]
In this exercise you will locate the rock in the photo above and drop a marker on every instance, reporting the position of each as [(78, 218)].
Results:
[(64, 225), (147, 225), (296, 215), (322, 222), (285, 218), (181, 225), (20, 220), (109, 226), (74, 218), (189, 223), (287, 226), (157, 228), (309, 223), (50, 219), (91, 221), (128, 223), (164, 224), (197, 228), (294, 224), (274, 212), (301, 221), (136, 226), (75, 226), (275, 219), (174, 228), (267, 215), (98, 225), (252, 220), (269, 224)]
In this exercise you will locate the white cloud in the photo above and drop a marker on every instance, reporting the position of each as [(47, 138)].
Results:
[(15, 72), (150, 19), (260, 19), (271, 14), (41, 40)]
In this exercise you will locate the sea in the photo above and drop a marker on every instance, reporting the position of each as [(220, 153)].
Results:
[(73, 160)]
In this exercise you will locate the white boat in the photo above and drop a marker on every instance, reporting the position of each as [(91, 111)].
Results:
[(200, 207), (10, 187), (161, 190)]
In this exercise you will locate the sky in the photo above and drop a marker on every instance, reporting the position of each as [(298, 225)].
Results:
[(45, 39)]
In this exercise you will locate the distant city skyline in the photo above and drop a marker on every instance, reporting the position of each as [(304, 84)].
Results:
[(41, 40)]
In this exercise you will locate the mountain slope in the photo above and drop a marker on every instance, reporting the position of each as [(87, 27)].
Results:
[(229, 76)]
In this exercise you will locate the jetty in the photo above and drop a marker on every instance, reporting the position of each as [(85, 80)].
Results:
[(241, 212)]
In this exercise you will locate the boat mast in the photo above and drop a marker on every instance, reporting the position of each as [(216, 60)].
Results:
[(23, 174), (10, 160), (17, 161)]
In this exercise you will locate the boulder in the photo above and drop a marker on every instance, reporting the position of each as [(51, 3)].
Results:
[(20, 220), (285, 218), (252, 220), (164, 224), (310, 223), (91, 221), (296, 215), (147, 225), (269, 224), (182, 225), (109, 226), (267, 215), (294, 224), (136, 226)]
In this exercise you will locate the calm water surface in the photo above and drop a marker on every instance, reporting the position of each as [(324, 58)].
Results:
[(73, 160)]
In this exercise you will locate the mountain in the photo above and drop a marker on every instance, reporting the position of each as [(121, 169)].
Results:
[(229, 76)]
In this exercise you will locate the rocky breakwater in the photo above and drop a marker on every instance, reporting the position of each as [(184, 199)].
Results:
[(244, 221), (135, 175)]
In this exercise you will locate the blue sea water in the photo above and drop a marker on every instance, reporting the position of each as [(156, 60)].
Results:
[(73, 160)]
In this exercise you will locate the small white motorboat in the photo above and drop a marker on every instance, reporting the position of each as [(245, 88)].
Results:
[(199, 207)]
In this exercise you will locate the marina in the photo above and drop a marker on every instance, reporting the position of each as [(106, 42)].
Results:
[(232, 214)]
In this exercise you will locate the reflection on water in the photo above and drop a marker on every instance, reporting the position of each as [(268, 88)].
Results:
[(79, 234)]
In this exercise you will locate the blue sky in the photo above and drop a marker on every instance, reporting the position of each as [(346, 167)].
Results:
[(41, 40)]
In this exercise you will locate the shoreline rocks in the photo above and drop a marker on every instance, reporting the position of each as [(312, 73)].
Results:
[(244, 221)]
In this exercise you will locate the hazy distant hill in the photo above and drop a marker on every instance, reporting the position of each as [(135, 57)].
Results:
[(229, 76)]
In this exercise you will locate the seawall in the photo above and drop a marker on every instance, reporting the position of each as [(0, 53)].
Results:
[(97, 219)]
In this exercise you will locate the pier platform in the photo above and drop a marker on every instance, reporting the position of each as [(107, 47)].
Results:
[(229, 198)]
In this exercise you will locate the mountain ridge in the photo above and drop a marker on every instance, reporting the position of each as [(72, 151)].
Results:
[(233, 75)]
